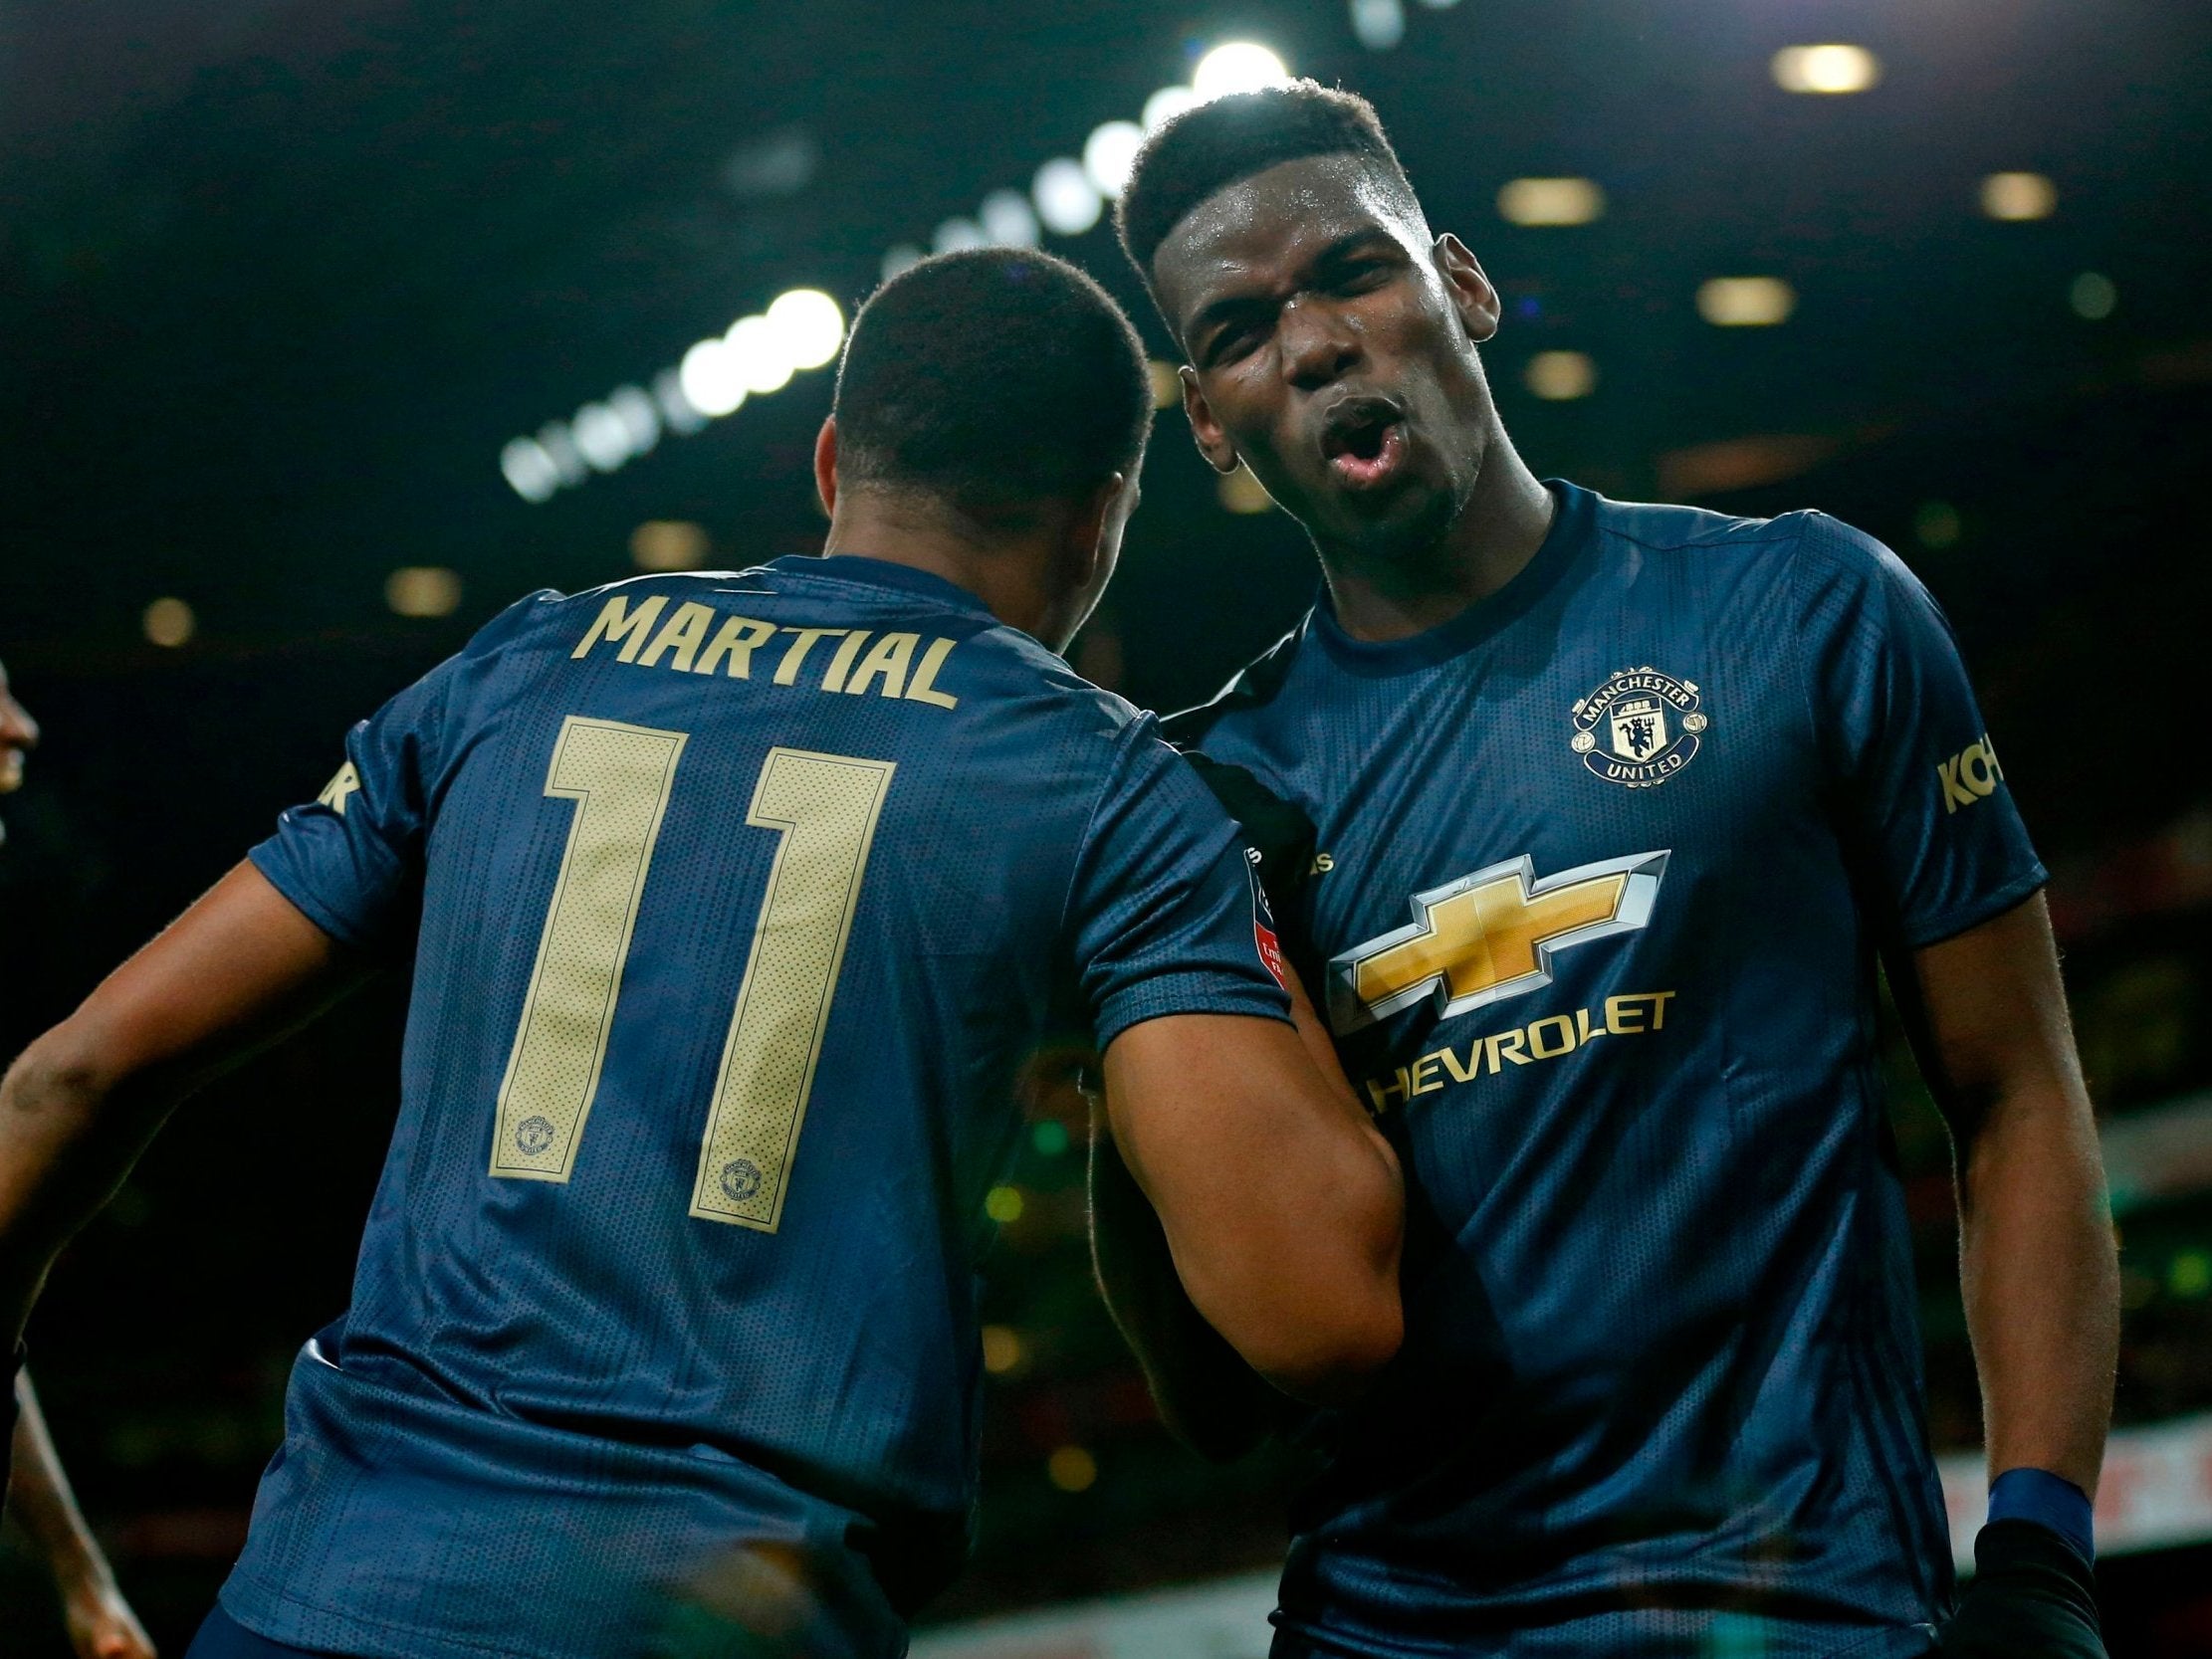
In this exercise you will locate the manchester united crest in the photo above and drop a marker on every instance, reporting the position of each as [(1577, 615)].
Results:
[(1639, 728)]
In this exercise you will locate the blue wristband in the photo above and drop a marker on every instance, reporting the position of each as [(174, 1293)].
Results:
[(2049, 1501)]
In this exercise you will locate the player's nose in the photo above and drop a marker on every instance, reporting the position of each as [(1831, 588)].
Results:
[(1319, 348), (17, 728)]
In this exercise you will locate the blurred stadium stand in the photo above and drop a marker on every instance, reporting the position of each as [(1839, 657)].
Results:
[(278, 282)]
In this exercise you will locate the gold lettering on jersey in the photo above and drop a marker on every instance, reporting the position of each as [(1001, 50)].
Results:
[(685, 633), (1491, 935), (340, 789), (696, 639), (1970, 775), (733, 643), (618, 624), (1630, 1014), (923, 688)]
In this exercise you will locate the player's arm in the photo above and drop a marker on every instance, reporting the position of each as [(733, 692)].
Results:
[(100, 1620), (2038, 1269), (1279, 1204), (1207, 1396), (2041, 1279), (236, 971)]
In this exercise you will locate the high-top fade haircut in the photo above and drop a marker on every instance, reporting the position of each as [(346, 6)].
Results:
[(1001, 380), (1211, 147)]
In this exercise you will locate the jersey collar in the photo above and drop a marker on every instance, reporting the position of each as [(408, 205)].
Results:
[(1569, 533), (879, 572)]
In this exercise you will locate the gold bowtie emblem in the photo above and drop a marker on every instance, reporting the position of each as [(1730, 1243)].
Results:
[(1489, 935)]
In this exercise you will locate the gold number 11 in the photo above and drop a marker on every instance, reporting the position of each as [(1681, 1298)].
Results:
[(824, 809)]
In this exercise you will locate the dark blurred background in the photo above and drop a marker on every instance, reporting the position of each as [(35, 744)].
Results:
[(327, 329)]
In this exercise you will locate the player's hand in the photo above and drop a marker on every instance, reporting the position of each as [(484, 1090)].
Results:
[(1277, 830), (2032, 1597), (100, 1622)]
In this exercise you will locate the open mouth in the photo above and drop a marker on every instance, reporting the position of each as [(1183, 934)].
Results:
[(1363, 440)]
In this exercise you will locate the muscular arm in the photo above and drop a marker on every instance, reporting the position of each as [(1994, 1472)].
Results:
[(237, 969), (2038, 1266), (1245, 1221)]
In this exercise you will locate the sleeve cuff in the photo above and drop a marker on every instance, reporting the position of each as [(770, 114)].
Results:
[(1921, 931), (1187, 993)]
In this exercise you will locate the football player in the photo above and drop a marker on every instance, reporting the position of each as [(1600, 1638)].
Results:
[(734, 904), (1618, 807), (97, 1617)]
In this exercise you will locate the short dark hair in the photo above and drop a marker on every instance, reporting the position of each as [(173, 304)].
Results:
[(996, 378), (1214, 145)]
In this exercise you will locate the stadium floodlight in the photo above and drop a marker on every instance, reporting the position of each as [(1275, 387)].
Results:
[(758, 349), (1561, 376), (1067, 199), (530, 472), (2094, 297), (1238, 67), (712, 378), (2018, 197), (600, 437), (1550, 201), (956, 234), (1746, 302), (168, 622), (808, 325), (1110, 154), (1379, 23), (423, 590), (1008, 220), (1168, 103), (642, 423), (1829, 68)]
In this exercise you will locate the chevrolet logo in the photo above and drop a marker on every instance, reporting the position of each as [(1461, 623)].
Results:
[(1491, 935)]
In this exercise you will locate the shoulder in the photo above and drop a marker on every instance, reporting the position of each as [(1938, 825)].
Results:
[(1255, 687), (1806, 548)]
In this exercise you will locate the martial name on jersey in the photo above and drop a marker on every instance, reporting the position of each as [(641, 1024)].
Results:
[(697, 639)]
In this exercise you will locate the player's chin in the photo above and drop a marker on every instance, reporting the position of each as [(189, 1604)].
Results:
[(1401, 525)]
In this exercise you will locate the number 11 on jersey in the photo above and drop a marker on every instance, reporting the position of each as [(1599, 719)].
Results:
[(824, 808)]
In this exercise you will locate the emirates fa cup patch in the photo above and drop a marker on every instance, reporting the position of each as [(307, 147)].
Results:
[(1639, 728)]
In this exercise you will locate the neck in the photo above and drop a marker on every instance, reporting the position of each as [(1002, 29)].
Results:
[(1001, 567), (1494, 536)]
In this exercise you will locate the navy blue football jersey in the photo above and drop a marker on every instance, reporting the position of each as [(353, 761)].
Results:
[(737, 903), (1605, 865)]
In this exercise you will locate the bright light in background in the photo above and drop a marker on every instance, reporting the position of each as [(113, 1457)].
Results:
[(169, 623), (1168, 103), (1001, 1349), (1067, 199), (601, 436), (2019, 196), (808, 325), (529, 470), (1561, 376), (1238, 67), (1010, 221), (1110, 153), (423, 590), (1551, 201), (1166, 383), (1071, 1469), (668, 544), (1832, 67), (712, 379), (1379, 23), (1004, 1204), (1937, 525), (1746, 302), (2092, 297), (757, 350)]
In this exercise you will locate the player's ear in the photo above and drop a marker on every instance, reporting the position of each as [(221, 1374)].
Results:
[(1469, 287), (1213, 442), (826, 465), (1091, 531)]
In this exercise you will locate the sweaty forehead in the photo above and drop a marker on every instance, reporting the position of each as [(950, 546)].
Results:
[(1261, 229)]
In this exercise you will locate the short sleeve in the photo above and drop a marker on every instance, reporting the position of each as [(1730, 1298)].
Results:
[(1915, 769), (1164, 913), (351, 859)]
